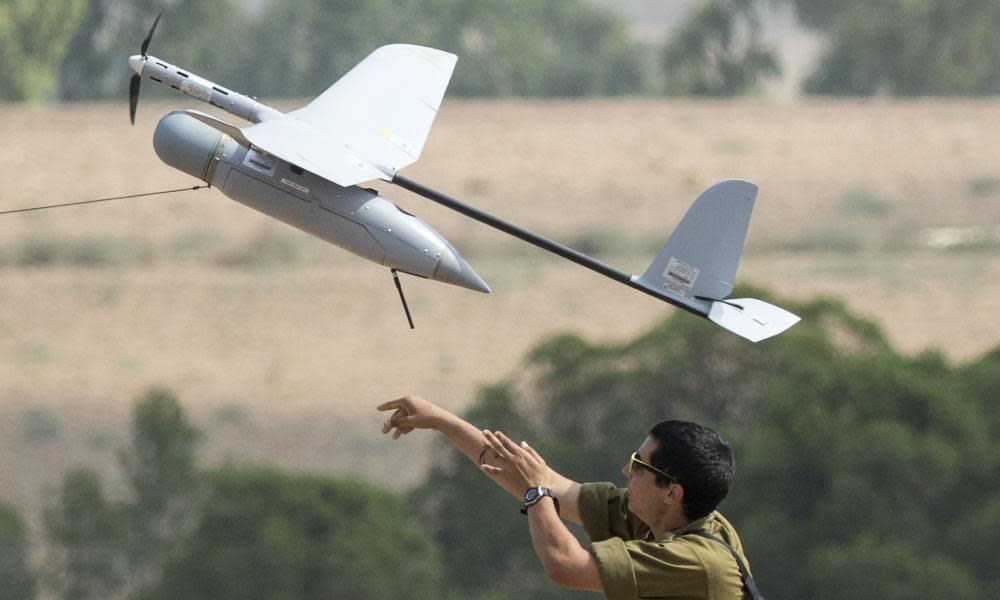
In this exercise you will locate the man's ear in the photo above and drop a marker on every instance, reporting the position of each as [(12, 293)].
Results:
[(673, 494)]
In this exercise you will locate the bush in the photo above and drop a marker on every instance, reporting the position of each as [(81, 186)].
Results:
[(93, 252), (18, 581), (266, 534), (865, 203), (40, 424), (266, 249)]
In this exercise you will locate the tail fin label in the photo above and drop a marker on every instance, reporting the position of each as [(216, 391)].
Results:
[(679, 277)]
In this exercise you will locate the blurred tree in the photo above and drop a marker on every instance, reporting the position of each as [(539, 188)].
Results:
[(524, 47), (718, 51), (265, 534), (858, 469), (34, 39), (106, 547), (84, 72), (906, 47), (306, 45), (88, 534), (18, 580), (192, 33), (531, 48), (281, 48), (159, 467)]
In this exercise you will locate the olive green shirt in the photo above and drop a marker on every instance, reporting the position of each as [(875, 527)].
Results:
[(634, 565)]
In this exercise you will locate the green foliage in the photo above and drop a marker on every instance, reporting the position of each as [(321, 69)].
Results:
[(15, 573), (40, 424), (265, 534), (870, 568), (160, 470), (32, 353), (718, 51), (281, 48), (89, 533), (269, 248), (906, 47), (106, 547), (604, 242), (297, 49), (192, 33), (233, 533), (531, 48), (521, 47), (862, 202), (236, 415), (89, 252), (983, 187), (34, 39), (861, 472), (837, 242)]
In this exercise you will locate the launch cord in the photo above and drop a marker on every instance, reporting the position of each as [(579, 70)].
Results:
[(187, 189)]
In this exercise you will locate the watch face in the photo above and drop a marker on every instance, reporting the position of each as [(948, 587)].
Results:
[(531, 495)]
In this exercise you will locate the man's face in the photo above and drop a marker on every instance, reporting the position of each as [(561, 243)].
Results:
[(645, 498)]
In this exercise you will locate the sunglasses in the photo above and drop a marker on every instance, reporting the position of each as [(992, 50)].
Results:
[(635, 460)]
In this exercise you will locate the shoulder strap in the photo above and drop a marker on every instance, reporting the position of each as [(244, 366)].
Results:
[(749, 586)]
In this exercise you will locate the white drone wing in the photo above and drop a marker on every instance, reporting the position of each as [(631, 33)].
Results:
[(370, 123)]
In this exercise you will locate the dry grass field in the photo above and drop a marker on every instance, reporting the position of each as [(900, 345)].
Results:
[(280, 345)]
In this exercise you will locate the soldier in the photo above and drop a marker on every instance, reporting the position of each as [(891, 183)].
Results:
[(659, 537)]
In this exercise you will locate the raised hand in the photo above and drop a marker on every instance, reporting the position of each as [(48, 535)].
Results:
[(520, 463)]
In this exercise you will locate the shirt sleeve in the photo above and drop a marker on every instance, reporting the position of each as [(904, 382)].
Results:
[(604, 513), (615, 568)]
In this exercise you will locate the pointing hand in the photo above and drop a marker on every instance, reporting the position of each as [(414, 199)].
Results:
[(411, 412)]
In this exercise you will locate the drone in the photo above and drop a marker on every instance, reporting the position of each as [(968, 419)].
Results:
[(307, 167)]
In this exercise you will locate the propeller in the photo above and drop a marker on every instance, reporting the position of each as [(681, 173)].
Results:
[(136, 82)]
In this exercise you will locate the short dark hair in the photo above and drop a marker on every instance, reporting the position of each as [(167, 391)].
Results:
[(700, 460)]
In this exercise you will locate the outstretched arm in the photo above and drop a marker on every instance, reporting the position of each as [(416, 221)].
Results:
[(565, 561), (414, 412)]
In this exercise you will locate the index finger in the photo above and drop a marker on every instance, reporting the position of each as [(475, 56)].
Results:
[(509, 444), (398, 403)]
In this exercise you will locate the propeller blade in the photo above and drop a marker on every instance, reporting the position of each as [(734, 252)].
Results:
[(149, 36), (133, 95), (136, 82)]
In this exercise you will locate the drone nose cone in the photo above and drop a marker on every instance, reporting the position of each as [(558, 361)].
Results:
[(136, 63), (453, 269)]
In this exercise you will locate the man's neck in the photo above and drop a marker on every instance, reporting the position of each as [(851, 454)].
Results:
[(667, 523)]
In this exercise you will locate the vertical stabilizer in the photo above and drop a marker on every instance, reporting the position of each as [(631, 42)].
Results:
[(700, 258)]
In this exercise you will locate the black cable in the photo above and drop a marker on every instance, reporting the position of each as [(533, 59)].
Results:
[(20, 210)]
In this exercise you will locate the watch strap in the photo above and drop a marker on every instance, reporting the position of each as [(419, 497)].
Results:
[(542, 492)]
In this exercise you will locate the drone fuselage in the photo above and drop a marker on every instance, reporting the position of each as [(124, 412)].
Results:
[(356, 219)]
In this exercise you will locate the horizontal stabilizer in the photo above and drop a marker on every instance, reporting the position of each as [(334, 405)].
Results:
[(752, 319), (369, 124)]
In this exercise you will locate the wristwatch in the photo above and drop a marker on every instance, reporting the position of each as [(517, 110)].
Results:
[(534, 494)]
